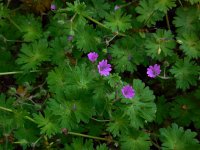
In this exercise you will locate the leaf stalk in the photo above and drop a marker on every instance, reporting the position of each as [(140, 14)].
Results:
[(6, 109), (167, 20), (88, 136), (16, 72), (16, 25)]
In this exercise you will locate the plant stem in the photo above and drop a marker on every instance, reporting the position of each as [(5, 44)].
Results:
[(34, 144), (72, 19), (125, 5), (6, 40), (10, 110), (100, 120), (6, 109), (16, 72), (8, 3), (180, 3), (30, 119), (167, 20), (145, 23), (97, 22), (15, 41), (108, 42), (93, 20), (88, 136), (101, 24), (156, 145), (164, 77), (18, 27), (70, 133)]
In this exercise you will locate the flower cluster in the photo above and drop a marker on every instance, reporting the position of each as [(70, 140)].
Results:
[(104, 69)]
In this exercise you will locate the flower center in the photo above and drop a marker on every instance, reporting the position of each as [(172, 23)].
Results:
[(154, 72), (102, 68)]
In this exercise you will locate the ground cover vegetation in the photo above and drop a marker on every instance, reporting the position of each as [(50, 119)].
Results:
[(100, 74)]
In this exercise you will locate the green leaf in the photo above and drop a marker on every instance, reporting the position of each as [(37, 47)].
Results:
[(165, 5), (135, 140), (15, 118), (100, 8), (32, 55), (87, 39), (185, 109), (100, 96), (59, 48), (18, 116), (66, 82), (195, 97), (119, 124), (141, 108), (26, 135), (7, 122), (83, 110), (13, 34), (77, 7), (118, 21), (163, 109), (186, 73), (114, 80), (182, 110), (79, 144), (72, 111), (147, 12), (102, 147), (80, 79), (160, 44), (59, 25), (187, 20), (57, 81), (190, 44), (64, 114), (6, 61), (4, 12), (127, 53), (47, 123), (193, 1), (31, 27), (98, 130), (176, 138)]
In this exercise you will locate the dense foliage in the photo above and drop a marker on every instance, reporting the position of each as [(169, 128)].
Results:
[(100, 74)]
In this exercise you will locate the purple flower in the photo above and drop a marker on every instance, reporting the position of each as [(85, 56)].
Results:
[(153, 71), (53, 7), (70, 38), (92, 56), (116, 7), (128, 91), (104, 68)]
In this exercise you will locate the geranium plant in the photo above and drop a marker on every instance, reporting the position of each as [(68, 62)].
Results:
[(103, 75)]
